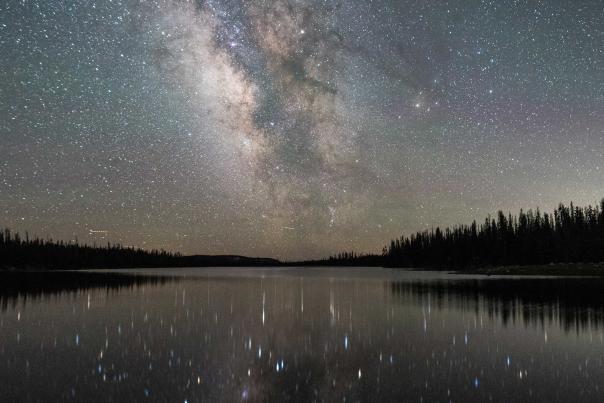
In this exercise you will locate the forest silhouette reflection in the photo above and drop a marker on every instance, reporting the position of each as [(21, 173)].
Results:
[(573, 303), (34, 286)]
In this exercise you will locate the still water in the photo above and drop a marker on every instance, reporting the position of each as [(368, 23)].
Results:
[(340, 334)]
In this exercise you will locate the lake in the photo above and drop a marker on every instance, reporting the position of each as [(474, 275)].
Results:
[(299, 334)]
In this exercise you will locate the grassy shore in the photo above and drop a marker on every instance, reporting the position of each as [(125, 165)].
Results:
[(559, 269)]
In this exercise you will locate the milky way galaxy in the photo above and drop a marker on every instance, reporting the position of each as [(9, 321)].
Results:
[(293, 129)]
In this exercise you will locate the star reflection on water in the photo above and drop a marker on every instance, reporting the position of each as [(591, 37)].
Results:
[(298, 335)]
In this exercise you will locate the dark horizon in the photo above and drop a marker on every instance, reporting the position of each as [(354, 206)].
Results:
[(570, 234)]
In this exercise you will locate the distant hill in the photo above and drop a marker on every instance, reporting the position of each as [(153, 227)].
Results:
[(228, 260)]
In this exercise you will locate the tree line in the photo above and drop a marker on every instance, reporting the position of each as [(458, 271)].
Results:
[(36, 253), (25, 252), (570, 234)]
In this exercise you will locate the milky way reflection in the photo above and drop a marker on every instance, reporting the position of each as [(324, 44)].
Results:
[(303, 335)]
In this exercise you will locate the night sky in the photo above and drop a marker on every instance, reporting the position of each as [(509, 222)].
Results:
[(293, 129)]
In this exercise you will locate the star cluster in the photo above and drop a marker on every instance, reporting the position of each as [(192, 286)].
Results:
[(293, 128)]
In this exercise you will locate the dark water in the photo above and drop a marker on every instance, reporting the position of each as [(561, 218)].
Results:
[(299, 335)]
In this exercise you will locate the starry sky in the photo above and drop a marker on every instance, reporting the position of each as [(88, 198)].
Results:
[(293, 129)]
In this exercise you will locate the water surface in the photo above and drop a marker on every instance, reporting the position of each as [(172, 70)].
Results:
[(299, 335)]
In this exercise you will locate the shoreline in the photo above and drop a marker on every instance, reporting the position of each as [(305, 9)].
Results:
[(557, 269), (552, 269)]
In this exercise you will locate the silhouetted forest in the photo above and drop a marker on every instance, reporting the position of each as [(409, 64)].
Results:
[(568, 235), (25, 252)]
